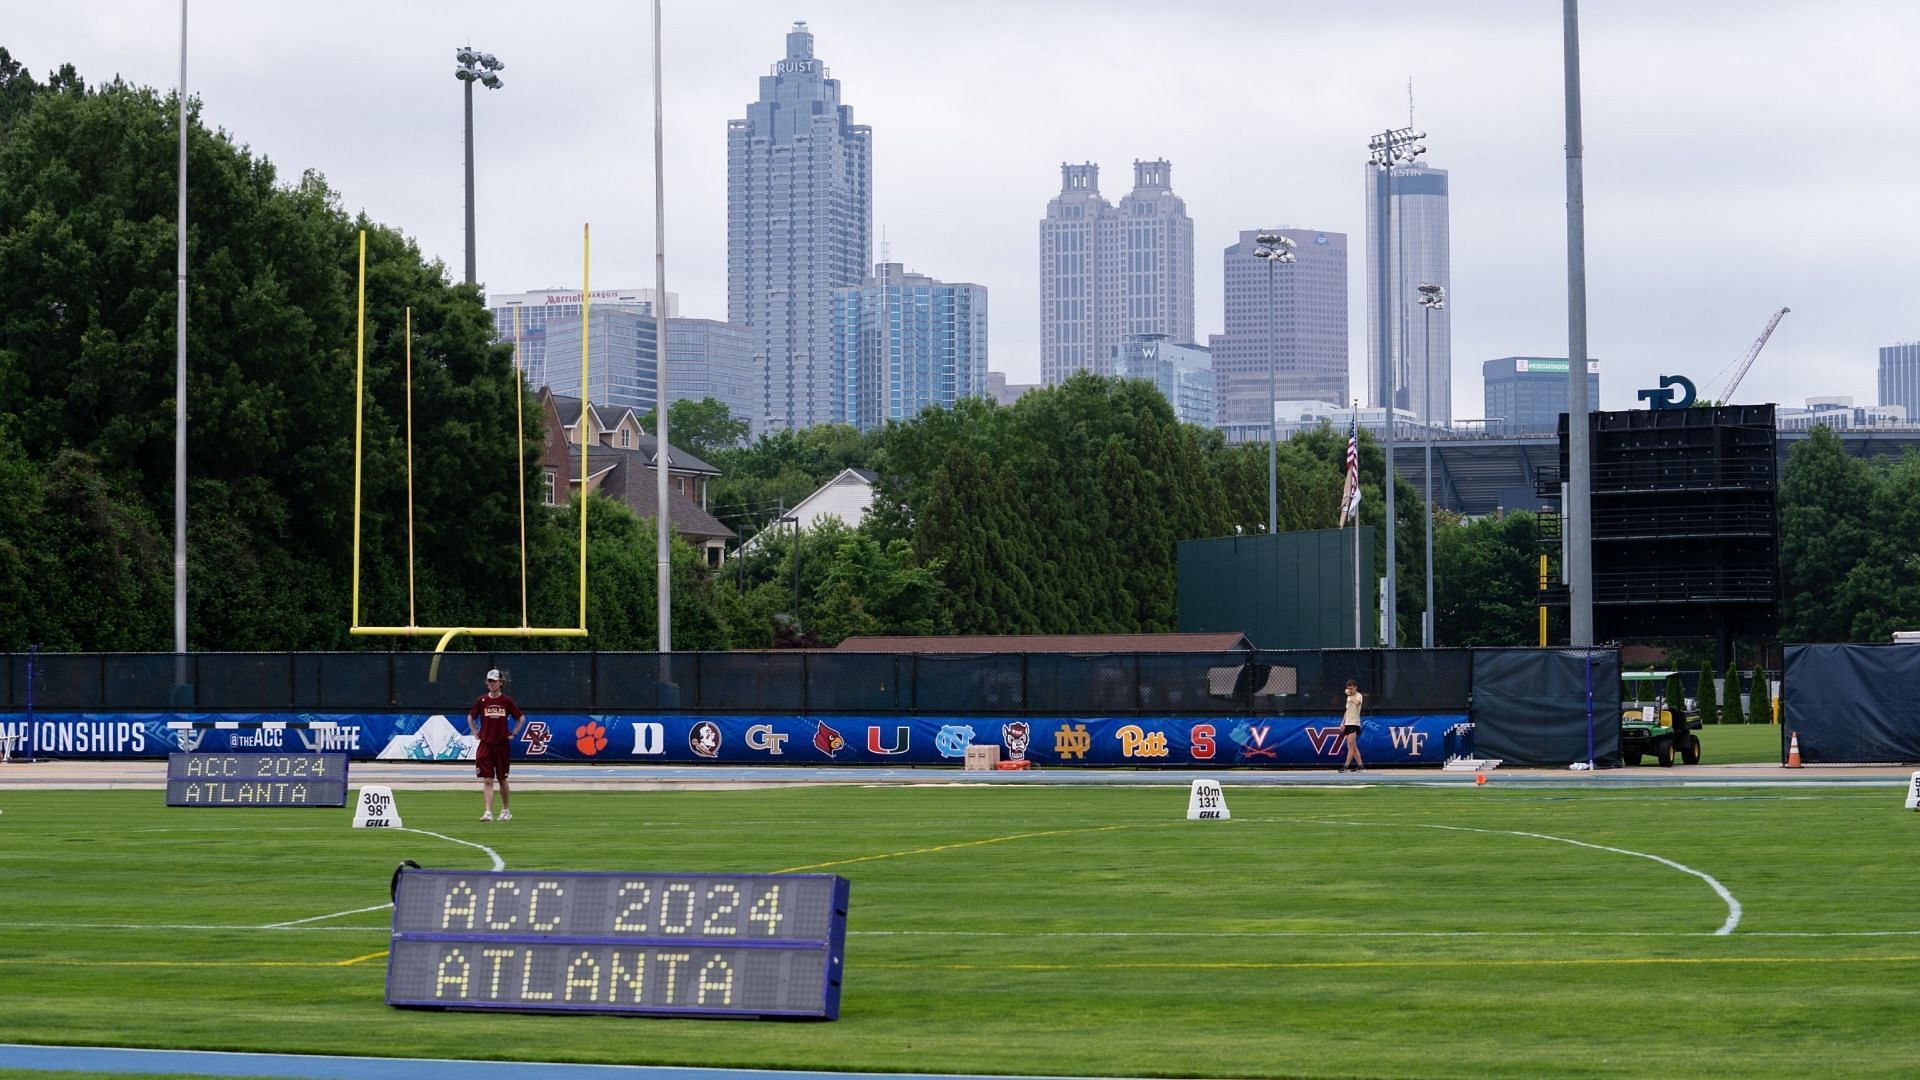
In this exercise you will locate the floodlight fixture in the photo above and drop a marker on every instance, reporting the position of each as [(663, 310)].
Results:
[(1432, 297)]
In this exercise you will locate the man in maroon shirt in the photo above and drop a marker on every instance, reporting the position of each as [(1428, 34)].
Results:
[(494, 756)]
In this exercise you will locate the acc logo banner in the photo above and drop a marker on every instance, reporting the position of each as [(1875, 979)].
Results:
[(953, 740)]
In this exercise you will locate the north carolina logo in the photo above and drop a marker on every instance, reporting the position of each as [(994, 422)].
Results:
[(538, 736), (704, 739), (953, 740), (1016, 736), (590, 738), (826, 740)]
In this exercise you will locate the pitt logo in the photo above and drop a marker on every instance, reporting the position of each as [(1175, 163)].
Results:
[(1201, 742), (1408, 739), (1072, 741), (826, 740), (537, 737), (1327, 741), (902, 735), (763, 737), (953, 740), (1137, 743)]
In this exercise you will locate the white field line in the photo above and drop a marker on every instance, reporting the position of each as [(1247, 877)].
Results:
[(498, 864)]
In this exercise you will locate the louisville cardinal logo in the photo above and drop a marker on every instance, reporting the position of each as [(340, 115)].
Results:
[(826, 740)]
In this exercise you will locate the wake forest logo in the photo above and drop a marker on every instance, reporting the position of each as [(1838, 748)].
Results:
[(704, 739), (762, 737), (1408, 738), (953, 740), (1072, 741)]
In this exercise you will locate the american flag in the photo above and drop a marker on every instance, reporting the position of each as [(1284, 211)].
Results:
[(1350, 491)]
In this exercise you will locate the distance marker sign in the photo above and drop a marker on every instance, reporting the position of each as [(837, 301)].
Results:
[(256, 779), (712, 945)]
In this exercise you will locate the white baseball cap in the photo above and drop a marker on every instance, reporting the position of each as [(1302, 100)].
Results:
[(494, 674)]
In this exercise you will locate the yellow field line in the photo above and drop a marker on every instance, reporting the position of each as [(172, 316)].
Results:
[(201, 963), (1254, 965), (962, 844)]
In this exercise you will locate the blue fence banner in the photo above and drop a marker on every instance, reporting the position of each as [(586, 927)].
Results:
[(681, 739)]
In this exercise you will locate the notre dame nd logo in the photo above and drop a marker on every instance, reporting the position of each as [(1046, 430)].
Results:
[(1072, 741)]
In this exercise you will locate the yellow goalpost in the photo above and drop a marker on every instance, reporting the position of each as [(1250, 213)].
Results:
[(447, 633)]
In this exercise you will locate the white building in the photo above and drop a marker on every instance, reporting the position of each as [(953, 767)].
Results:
[(1418, 253)]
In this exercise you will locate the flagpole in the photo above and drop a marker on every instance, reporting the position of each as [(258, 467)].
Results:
[(1356, 532)]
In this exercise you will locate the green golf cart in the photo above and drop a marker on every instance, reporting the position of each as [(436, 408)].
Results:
[(1651, 729)]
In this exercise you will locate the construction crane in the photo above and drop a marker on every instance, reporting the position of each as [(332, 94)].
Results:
[(1726, 396)]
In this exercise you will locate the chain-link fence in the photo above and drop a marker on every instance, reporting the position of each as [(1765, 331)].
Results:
[(1072, 684)]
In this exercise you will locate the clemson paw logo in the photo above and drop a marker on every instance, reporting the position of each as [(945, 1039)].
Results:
[(590, 738)]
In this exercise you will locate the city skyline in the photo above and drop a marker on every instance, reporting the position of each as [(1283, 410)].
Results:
[(978, 108)]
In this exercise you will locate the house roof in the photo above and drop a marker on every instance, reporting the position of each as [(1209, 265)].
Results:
[(1051, 643), (629, 478), (678, 460)]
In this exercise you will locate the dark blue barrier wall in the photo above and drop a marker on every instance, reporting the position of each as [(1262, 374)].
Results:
[(1852, 704)]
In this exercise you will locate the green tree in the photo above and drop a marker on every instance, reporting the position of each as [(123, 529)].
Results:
[(1487, 592), (1826, 543), (1709, 707), (703, 428), (1736, 712), (1759, 700), (1676, 707)]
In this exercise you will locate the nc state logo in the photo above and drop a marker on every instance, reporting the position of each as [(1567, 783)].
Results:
[(1016, 736), (537, 737)]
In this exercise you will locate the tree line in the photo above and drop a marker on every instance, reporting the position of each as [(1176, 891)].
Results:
[(1058, 514)]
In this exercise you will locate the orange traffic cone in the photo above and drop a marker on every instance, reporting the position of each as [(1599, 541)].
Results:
[(1793, 750), (1480, 779)]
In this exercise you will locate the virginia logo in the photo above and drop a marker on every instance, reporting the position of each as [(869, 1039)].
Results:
[(1253, 741)]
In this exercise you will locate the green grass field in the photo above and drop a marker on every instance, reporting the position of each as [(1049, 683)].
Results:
[(1740, 744), (1357, 931)]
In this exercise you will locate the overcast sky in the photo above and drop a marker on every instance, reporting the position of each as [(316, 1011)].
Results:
[(1741, 155)]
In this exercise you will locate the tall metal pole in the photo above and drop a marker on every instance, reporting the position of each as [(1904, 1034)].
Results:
[(1426, 618), (180, 384), (1273, 429), (1578, 508), (472, 260), (663, 552), (1391, 636)]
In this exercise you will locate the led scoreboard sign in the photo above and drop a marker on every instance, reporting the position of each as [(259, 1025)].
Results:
[(199, 779), (712, 945)]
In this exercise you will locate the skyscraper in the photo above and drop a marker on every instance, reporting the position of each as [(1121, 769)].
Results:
[(1109, 271), (1525, 395), (1182, 373), (904, 342), (1302, 332), (707, 358), (1418, 246), (621, 350), (1900, 376), (522, 320), (799, 225)]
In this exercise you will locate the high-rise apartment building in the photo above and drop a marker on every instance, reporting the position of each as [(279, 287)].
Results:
[(707, 358), (1108, 271), (905, 341), (1417, 254), (799, 225), (1290, 319), (1900, 376), (1182, 372), (621, 358), (1527, 394), (522, 320)]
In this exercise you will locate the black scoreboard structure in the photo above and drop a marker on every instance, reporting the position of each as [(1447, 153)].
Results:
[(215, 779), (687, 945), (1686, 536)]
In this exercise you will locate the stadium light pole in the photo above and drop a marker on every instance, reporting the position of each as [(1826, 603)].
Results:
[(1273, 249), (663, 541), (483, 68), (1578, 508), (1433, 298), (1395, 146), (180, 388)]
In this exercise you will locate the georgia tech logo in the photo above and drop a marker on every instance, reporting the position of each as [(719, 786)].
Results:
[(704, 739), (1408, 738), (902, 735), (1016, 736), (826, 740), (537, 737), (1137, 743), (649, 739), (1072, 741), (763, 737), (1253, 741), (1200, 743), (1675, 392), (953, 740)]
